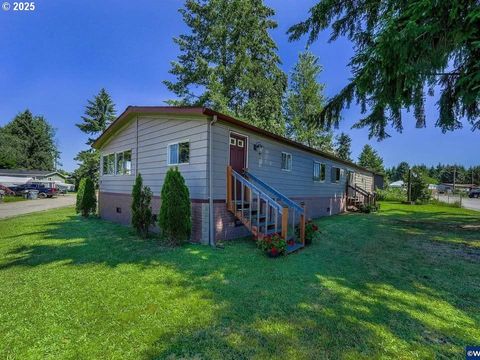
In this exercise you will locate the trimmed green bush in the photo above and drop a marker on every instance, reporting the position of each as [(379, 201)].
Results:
[(175, 212), (86, 198), (142, 216)]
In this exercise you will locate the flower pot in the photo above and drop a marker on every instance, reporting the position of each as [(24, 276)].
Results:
[(273, 254)]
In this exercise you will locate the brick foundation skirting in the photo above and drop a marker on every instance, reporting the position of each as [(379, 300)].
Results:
[(116, 207)]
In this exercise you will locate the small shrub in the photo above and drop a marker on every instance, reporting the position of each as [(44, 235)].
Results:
[(392, 194), (369, 208), (175, 212), (310, 230), (419, 188), (142, 216), (273, 245), (86, 198)]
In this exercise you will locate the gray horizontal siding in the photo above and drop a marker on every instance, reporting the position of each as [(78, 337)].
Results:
[(154, 135), (296, 183)]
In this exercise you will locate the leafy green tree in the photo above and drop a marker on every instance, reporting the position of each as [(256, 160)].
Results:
[(229, 62), (343, 144), (401, 48), (370, 159), (86, 198), (142, 216), (175, 210), (99, 113), (28, 142), (419, 185), (401, 172), (305, 99)]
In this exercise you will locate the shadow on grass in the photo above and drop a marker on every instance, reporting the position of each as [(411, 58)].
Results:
[(364, 288)]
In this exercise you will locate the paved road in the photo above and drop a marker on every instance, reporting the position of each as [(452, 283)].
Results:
[(30, 206), (467, 203)]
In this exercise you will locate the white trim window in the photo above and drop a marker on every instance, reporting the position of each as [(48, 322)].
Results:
[(124, 163), (286, 161), (336, 174), (319, 171), (178, 153), (108, 167)]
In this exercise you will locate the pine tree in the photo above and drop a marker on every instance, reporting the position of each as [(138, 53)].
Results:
[(86, 198), (401, 48), (304, 100), (175, 210), (370, 159), (229, 62), (99, 113), (343, 146), (141, 207)]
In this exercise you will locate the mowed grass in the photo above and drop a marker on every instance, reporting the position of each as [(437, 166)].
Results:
[(403, 284)]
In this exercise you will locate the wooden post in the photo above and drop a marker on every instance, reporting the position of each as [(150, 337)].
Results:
[(229, 188), (285, 222), (302, 224)]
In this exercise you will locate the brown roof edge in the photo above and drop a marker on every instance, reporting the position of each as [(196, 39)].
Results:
[(187, 110), (282, 139)]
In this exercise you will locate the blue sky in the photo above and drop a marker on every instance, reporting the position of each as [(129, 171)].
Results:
[(55, 58)]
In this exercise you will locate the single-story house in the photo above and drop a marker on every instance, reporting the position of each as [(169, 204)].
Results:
[(397, 184), (13, 177), (43, 175), (211, 150)]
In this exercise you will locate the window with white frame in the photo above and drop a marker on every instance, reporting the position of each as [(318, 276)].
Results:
[(319, 171), (336, 174), (124, 163), (109, 164), (178, 153), (286, 161)]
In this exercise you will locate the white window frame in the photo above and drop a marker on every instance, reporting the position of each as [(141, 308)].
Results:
[(168, 153), (339, 175), (114, 163), (319, 171), (123, 161), (291, 161)]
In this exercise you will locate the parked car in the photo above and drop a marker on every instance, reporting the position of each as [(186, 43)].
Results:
[(474, 193), (43, 190)]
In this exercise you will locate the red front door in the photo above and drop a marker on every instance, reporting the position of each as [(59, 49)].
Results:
[(238, 158), (238, 152)]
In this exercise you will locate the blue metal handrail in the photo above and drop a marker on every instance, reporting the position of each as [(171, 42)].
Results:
[(262, 194), (285, 199)]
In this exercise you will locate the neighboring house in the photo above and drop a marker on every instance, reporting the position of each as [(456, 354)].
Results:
[(12, 177), (397, 184), (202, 143)]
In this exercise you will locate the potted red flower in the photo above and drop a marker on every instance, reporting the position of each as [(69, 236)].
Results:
[(273, 245), (311, 230)]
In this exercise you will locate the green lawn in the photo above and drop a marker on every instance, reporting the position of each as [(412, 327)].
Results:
[(403, 284), (9, 199)]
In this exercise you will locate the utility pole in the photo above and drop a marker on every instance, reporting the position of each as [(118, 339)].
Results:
[(454, 177), (409, 193)]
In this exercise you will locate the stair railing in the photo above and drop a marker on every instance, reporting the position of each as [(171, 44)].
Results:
[(295, 209), (266, 208)]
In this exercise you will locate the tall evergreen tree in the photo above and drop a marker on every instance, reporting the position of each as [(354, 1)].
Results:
[(229, 62), (401, 48), (370, 159), (343, 144), (99, 113), (28, 142), (304, 100)]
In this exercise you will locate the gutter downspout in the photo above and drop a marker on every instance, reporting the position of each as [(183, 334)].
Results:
[(211, 219)]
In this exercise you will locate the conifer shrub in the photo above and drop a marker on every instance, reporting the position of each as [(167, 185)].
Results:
[(175, 211), (142, 216), (86, 198)]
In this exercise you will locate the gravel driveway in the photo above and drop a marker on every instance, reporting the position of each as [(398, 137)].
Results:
[(29, 206)]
